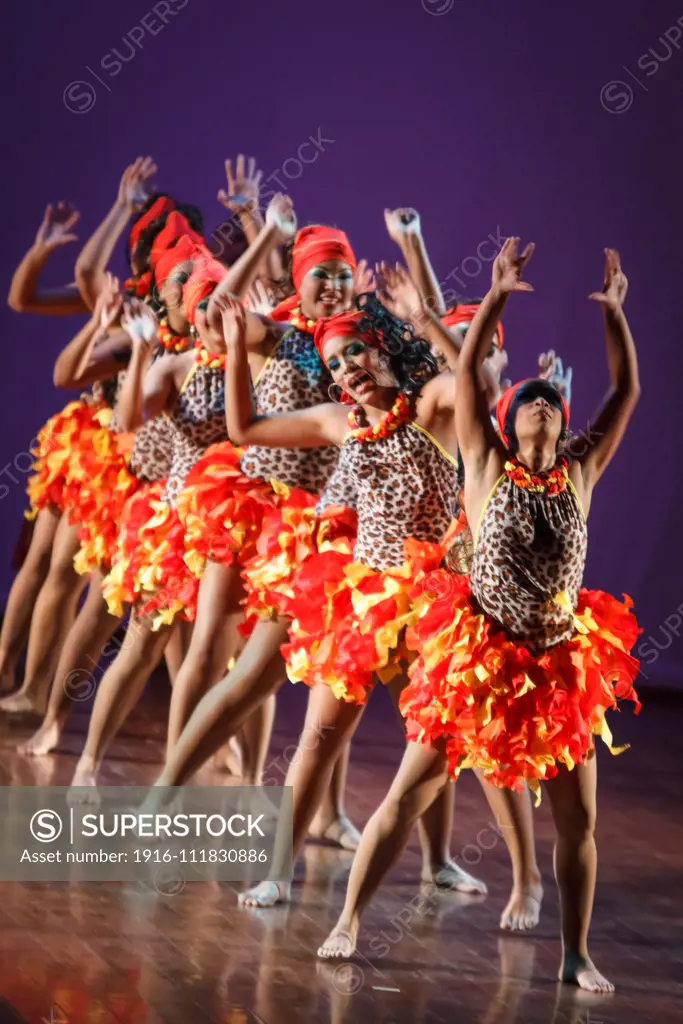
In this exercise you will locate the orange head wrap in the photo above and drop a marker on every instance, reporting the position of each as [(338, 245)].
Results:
[(176, 226), (343, 325), (506, 399), (313, 245), (206, 274), (181, 252), (158, 208), (464, 314)]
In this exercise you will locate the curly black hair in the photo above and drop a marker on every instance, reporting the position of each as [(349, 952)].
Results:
[(411, 359)]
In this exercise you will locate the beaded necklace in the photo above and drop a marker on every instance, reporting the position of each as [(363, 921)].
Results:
[(400, 412), (553, 482)]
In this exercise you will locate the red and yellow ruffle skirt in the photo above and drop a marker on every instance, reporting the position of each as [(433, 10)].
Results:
[(222, 509), (166, 586), (131, 566), (513, 714), (58, 442), (349, 620), (98, 486)]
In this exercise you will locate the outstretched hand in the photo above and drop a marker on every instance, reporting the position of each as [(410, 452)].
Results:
[(133, 190), (363, 279), (551, 368), (402, 222), (139, 323), (109, 303), (615, 288), (244, 186), (398, 291), (234, 320), (55, 228), (280, 215), (508, 267)]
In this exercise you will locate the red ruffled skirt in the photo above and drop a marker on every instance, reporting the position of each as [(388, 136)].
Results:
[(132, 568), (349, 620), (167, 587), (98, 486), (58, 443), (514, 714)]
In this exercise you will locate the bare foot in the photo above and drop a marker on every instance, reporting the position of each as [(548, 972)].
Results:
[(83, 788), (23, 704), (340, 832), (523, 909), (266, 894), (43, 741), (340, 944), (578, 970), (450, 876)]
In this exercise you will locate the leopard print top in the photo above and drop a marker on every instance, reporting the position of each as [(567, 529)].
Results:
[(197, 421), (402, 486), (293, 378), (530, 547), (152, 453)]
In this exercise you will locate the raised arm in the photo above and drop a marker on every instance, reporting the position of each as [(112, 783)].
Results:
[(280, 226), (605, 434), (242, 199), (97, 352), (145, 392), (405, 229), (91, 265), (476, 435), (25, 295), (309, 428)]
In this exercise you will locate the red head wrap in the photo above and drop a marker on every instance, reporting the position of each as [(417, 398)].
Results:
[(158, 208), (176, 226), (464, 314), (505, 401), (206, 274), (181, 252), (313, 245), (343, 325)]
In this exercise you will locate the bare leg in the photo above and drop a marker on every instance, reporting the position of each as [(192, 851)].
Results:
[(573, 802), (329, 726), (74, 679), (212, 646), (53, 616), (177, 648), (118, 693), (223, 710), (24, 593), (255, 739), (514, 818), (435, 827), (331, 823), (422, 775)]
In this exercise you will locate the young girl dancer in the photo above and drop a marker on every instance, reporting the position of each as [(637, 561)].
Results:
[(516, 673)]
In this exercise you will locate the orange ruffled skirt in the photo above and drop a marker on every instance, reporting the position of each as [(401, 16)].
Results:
[(132, 567), (349, 620), (165, 585), (58, 442), (511, 713)]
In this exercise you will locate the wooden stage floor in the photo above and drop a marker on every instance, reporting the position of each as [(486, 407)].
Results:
[(98, 953)]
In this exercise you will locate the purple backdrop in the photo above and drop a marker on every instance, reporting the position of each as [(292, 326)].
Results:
[(560, 124)]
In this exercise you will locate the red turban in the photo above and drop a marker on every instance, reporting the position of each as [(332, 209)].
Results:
[(343, 325), (181, 252), (505, 401), (206, 274), (313, 245), (464, 314), (158, 208), (176, 226)]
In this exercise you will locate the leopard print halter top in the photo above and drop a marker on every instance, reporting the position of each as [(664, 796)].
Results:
[(152, 453), (401, 486), (530, 547), (294, 377), (197, 421)]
